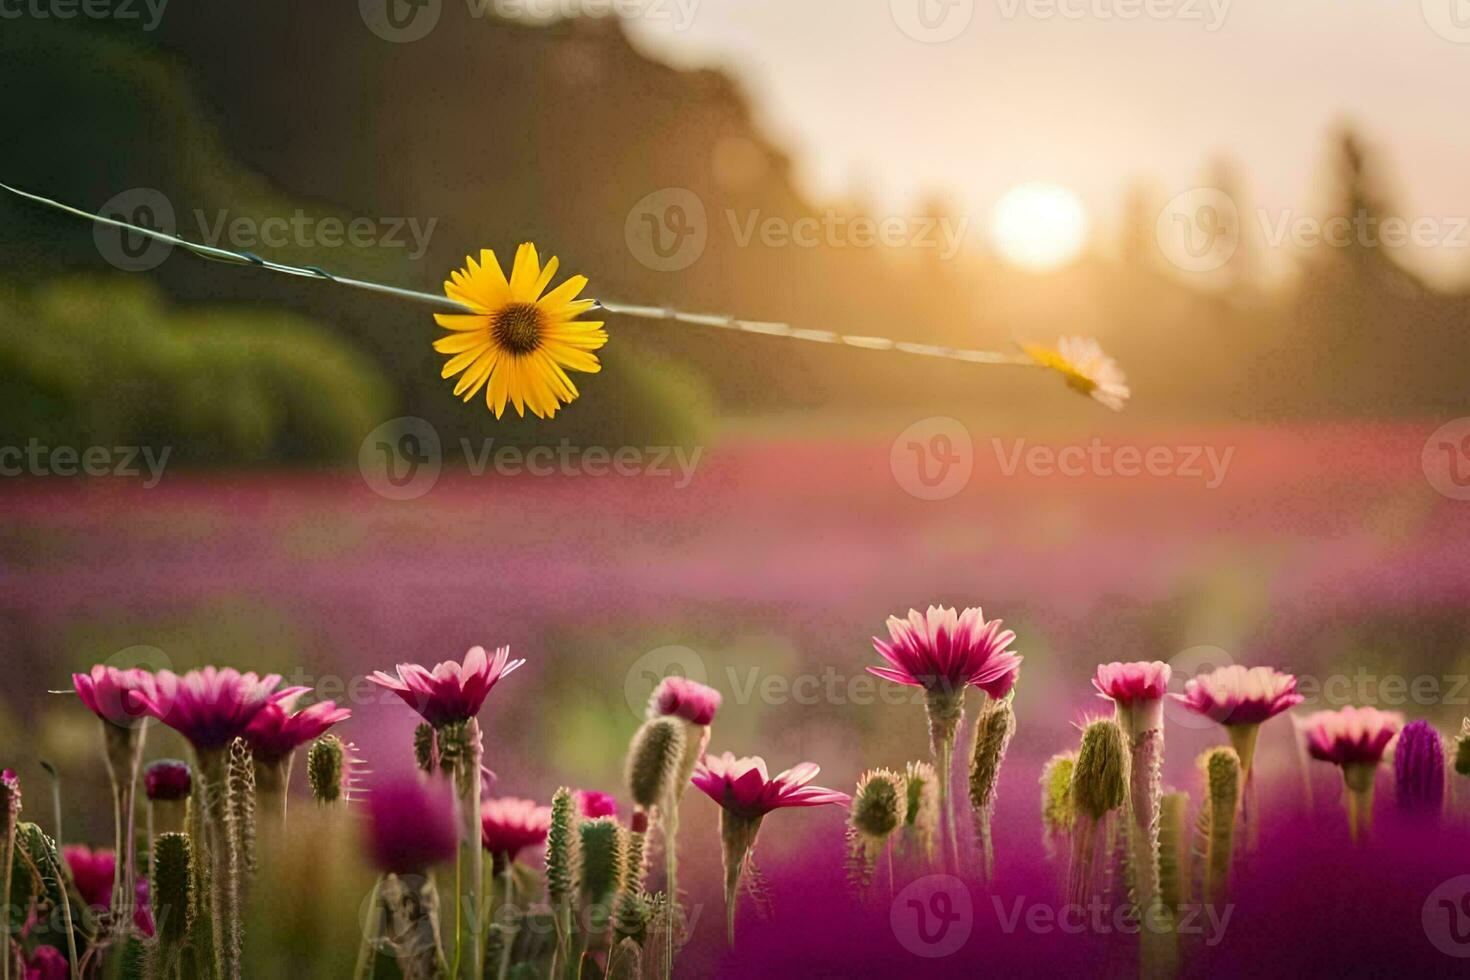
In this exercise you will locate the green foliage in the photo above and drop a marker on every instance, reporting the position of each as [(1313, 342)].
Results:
[(104, 361), (1174, 850)]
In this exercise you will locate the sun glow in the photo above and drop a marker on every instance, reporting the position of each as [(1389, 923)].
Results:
[(1039, 226)]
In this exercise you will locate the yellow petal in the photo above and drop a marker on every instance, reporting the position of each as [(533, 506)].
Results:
[(544, 280), (457, 343), (462, 321), (497, 390), (562, 295), (469, 384), (459, 362), (576, 360), (527, 270)]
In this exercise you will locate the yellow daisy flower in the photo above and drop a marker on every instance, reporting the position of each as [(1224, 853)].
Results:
[(518, 344), (1086, 369)]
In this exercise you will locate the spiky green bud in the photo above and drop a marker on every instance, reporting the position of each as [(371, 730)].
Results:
[(921, 815), (1222, 775), (625, 962), (879, 806), (1100, 775), (602, 859), (1057, 815), (561, 848), (993, 731), (1174, 850), (324, 766), (653, 760), (632, 912), (1462, 749), (172, 886)]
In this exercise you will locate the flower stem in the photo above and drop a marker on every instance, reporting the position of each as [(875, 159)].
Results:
[(512, 927), (946, 709), (467, 783), (1243, 740), (224, 883), (365, 949), (671, 876)]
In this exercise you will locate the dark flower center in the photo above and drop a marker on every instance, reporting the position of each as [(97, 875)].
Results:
[(517, 328)]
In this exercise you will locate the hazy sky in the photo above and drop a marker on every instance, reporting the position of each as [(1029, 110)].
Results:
[(1089, 100)]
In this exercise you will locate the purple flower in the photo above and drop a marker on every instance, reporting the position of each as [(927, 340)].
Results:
[(275, 734), (93, 872), (167, 779), (451, 692), (47, 963), (742, 785), (690, 700), (509, 826), (211, 707), (118, 697), (1418, 767), (944, 651), (1351, 736), (1128, 683), (593, 804), (1237, 695), (410, 825), (142, 911)]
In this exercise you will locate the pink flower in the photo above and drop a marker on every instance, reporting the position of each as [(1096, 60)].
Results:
[(1351, 736), (47, 963), (116, 696), (1237, 695), (508, 826), (944, 650), (142, 912), (93, 872), (592, 804), (211, 707), (451, 692), (690, 700), (1128, 683), (274, 734), (743, 787), (410, 825), (167, 779)]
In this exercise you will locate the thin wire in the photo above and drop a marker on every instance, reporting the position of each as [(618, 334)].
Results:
[(767, 328)]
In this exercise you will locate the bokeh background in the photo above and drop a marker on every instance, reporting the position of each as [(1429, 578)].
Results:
[(1069, 155)]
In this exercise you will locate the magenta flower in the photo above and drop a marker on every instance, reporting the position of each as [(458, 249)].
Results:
[(592, 804), (1237, 695), (142, 911), (742, 786), (1129, 683), (47, 963), (451, 692), (410, 825), (944, 651), (509, 826), (212, 707), (93, 872), (683, 698), (274, 734), (118, 697), (167, 779), (1351, 736)]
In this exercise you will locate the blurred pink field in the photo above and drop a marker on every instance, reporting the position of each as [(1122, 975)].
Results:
[(1324, 548)]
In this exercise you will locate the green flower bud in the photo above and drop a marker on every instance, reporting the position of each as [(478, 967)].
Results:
[(324, 767), (561, 848), (1100, 775), (653, 760)]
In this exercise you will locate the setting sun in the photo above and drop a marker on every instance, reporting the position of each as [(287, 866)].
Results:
[(1039, 226)]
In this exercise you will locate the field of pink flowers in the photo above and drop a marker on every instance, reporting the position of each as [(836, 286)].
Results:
[(1323, 551)]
